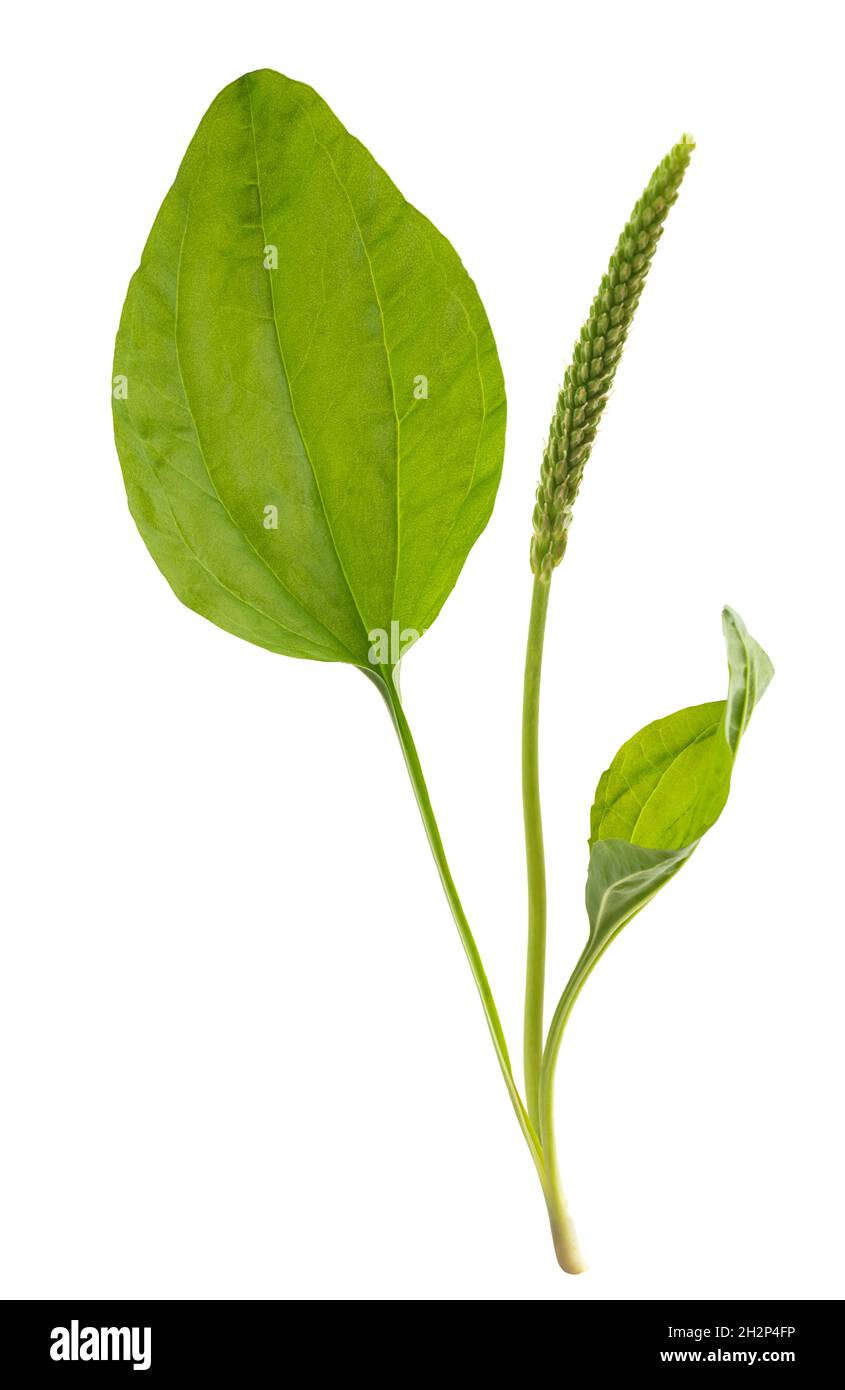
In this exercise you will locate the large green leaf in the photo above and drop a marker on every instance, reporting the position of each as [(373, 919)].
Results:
[(665, 788), (301, 346)]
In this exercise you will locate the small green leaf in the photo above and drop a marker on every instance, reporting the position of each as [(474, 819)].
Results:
[(664, 789), (311, 411)]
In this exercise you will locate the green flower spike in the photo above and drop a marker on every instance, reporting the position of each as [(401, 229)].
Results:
[(589, 376)]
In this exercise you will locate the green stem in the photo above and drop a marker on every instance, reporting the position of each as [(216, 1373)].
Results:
[(563, 1233), (391, 696), (535, 969)]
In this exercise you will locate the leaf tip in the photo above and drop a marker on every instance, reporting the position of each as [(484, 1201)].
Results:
[(731, 621)]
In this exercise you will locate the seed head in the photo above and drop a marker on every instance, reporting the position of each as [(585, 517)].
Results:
[(589, 376)]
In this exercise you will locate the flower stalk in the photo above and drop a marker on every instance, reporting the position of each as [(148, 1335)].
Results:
[(586, 385)]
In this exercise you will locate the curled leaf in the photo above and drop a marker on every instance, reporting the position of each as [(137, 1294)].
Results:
[(664, 789), (750, 673)]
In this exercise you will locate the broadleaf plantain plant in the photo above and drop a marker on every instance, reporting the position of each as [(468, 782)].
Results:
[(310, 416)]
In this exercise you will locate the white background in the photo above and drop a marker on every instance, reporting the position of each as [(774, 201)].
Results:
[(241, 1051)]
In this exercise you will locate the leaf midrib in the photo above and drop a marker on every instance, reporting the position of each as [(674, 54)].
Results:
[(699, 738), (277, 577), (610, 805), (342, 186), (284, 366)]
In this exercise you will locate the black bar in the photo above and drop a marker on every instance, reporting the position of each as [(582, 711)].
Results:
[(188, 1341)]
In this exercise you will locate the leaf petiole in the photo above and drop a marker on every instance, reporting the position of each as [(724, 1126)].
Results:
[(563, 1233), (391, 697)]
